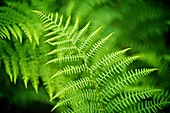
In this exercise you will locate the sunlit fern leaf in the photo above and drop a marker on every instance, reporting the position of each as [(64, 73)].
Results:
[(117, 67), (105, 78), (89, 38), (68, 110), (81, 32), (74, 28), (86, 107), (107, 59), (67, 58), (26, 31), (118, 83), (4, 33), (78, 96), (69, 70), (61, 49), (126, 99), (75, 85), (49, 20), (152, 106), (55, 37), (96, 46), (59, 43), (18, 32), (67, 24), (12, 31)]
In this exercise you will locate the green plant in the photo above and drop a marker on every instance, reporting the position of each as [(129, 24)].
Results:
[(79, 68), (138, 24), (104, 84)]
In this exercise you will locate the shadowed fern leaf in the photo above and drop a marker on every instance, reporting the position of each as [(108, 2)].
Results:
[(16, 21)]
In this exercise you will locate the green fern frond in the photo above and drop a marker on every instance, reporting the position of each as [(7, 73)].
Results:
[(67, 24), (69, 70), (119, 82), (90, 107), (8, 69), (67, 41), (4, 33), (75, 85), (15, 68), (34, 78), (16, 21), (61, 49), (55, 37), (89, 38), (148, 106), (99, 85), (117, 67), (49, 21), (78, 96), (68, 110), (109, 58), (81, 32), (74, 28), (95, 47), (126, 99), (67, 58)]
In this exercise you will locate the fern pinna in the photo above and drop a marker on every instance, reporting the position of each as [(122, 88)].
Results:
[(102, 85)]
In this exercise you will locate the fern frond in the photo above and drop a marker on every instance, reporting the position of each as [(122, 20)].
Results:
[(34, 75), (61, 49), (117, 67), (15, 68), (12, 31), (55, 37), (26, 31), (8, 69), (49, 21), (16, 22), (120, 82), (66, 58), (67, 41), (81, 32), (18, 32), (4, 33), (74, 28), (90, 107), (126, 99), (54, 33), (95, 47), (78, 96), (107, 59), (69, 70), (103, 92), (75, 85), (67, 24), (89, 38), (148, 106), (68, 110)]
